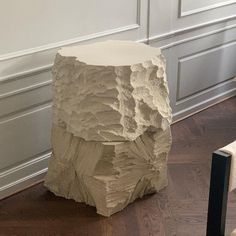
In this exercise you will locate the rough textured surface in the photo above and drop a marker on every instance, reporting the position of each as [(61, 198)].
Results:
[(107, 175), (111, 132), (110, 103)]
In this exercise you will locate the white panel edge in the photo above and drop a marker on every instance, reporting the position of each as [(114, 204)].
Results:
[(194, 55), (202, 92), (24, 113), (25, 89), (184, 30), (16, 184), (46, 47), (206, 8), (189, 111)]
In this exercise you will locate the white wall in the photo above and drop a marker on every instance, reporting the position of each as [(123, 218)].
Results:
[(197, 37)]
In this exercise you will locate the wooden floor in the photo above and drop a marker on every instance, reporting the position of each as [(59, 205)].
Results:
[(180, 209)]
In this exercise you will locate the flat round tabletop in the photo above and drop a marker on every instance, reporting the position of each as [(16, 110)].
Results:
[(111, 53)]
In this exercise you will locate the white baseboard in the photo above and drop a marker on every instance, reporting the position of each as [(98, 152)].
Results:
[(178, 116), (24, 175)]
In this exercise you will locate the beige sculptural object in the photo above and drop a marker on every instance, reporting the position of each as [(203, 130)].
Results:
[(111, 124)]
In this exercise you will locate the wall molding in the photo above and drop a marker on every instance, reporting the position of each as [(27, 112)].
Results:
[(25, 112), (203, 91), (185, 30), (189, 111), (189, 39), (207, 89), (25, 89), (205, 8), (80, 39), (25, 73), (23, 175), (25, 165), (138, 16)]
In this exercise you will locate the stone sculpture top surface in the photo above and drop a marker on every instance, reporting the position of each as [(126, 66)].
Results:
[(111, 53)]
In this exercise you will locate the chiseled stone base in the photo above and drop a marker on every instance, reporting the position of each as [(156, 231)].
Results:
[(107, 175), (111, 116)]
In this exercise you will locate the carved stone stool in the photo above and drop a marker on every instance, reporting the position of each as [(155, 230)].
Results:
[(111, 124)]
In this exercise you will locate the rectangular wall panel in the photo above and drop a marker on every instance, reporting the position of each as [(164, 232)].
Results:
[(19, 83), (19, 94), (202, 70), (171, 18), (24, 136), (189, 7), (25, 100)]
